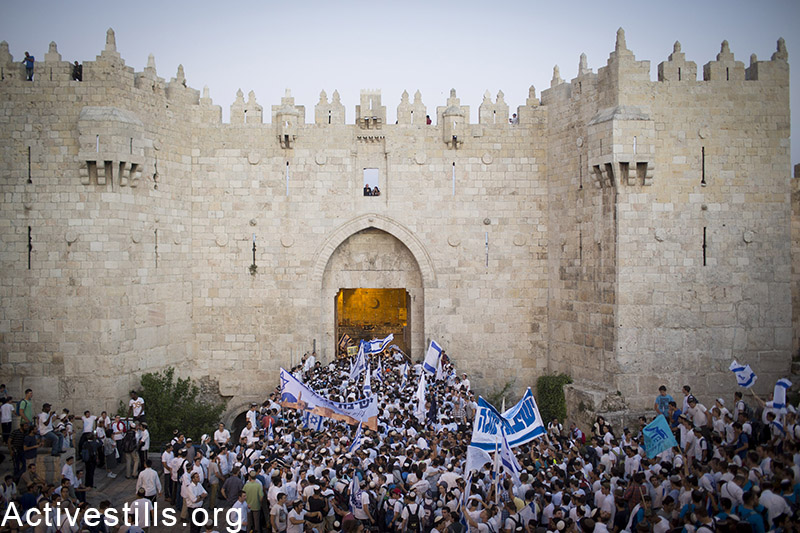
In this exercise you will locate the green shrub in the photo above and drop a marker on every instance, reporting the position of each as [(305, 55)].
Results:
[(496, 396), (550, 397), (175, 404)]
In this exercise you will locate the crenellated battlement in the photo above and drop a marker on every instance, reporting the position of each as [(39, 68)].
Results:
[(623, 74)]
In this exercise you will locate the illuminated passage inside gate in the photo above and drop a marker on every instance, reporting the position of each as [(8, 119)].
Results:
[(365, 314)]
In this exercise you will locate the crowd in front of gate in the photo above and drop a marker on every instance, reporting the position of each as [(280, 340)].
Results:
[(734, 469)]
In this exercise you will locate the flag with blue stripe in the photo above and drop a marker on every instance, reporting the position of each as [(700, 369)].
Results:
[(312, 421), (270, 434), (355, 494), (522, 423), (378, 345), (404, 373), (432, 358), (462, 508), (379, 370), (658, 437), (508, 460), (358, 440), (367, 384), (779, 395), (745, 376)]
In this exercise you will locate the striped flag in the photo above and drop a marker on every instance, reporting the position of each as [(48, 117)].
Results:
[(463, 507), (367, 383), (745, 376), (378, 345), (344, 341), (355, 493), (779, 395), (507, 458), (358, 440), (432, 357), (379, 370), (404, 373)]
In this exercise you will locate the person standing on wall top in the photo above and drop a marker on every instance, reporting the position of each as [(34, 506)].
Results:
[(29, 60), (661, 404)]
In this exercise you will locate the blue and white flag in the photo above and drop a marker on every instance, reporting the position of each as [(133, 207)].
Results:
[(522, 423), (378, 345), (507, 459), (419, 412), (312, 421), (367, 384), (476, 459), (658, 437), (296, 395), (779, 395), (270, 434), (378, 372), (355, 494), (464, 498), (432, 358), (358, 440), (404, 373), (745, 376), (359, 364)]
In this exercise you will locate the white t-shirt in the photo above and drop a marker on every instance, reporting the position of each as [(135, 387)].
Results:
[(295, 528), (138, 406), (88, 423), (45, 423), (142, 508), (221, 437), (6, 413)]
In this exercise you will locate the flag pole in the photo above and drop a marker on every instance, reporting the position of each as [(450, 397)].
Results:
[(497, 459)]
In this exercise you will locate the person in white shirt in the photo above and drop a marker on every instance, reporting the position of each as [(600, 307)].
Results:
[(149, 481), (775, 504), (45, 425), (136, 407), (296, 518), (142, 509), (68, 472), (89, 422), (194, 494), (241, 510), (222, 436), (166, 461), (6, 417)]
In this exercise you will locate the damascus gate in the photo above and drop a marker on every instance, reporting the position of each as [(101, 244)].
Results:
[(626, 231)]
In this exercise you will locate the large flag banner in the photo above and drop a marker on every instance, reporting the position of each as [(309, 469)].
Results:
[(779, 394), (344, 341), (360, 363), (432, 358), (312, 421), (745, 376), (522, 422), (296, 395), (658, 437), (378, 345)]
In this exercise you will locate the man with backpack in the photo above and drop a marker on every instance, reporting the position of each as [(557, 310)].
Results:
[(411, 515), (129, 451)]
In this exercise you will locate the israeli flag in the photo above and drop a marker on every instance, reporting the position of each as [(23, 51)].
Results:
[(312, 421), (367, 384), (378, 345), (360, 363), (432, 358), (476, 459), (745, 376), (508, 460), (658, 437), (779, 395), (358, 440), (379, 370), (270, 435), (404, 373), (355, 494)]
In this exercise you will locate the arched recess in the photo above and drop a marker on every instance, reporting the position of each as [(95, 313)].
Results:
[(372, 252)]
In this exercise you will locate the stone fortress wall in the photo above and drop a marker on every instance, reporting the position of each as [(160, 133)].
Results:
[(628, 232)]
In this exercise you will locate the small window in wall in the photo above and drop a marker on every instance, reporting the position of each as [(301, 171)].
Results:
[(371, 182)]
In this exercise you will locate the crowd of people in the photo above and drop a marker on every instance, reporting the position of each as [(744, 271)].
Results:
[(733, 470)]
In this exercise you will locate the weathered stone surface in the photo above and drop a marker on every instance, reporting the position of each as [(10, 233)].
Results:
[(571, 241)]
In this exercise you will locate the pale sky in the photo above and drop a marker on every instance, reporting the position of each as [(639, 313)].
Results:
[(472, 46)]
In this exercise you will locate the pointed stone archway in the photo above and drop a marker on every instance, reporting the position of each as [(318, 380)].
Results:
[(373, 252)]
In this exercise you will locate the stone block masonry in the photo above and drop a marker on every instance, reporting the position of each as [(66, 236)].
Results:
[(626, 231)]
